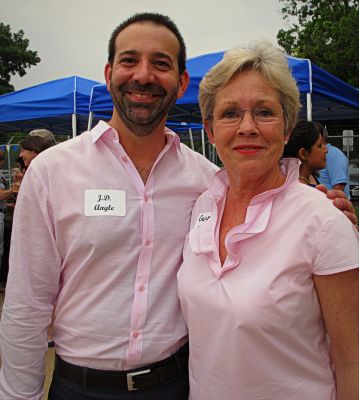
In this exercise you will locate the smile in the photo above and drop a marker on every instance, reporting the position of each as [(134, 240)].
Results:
[(248, 149), (142, 95)]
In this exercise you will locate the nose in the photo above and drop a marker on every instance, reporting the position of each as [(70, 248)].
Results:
[(143, 73), (247, 125)]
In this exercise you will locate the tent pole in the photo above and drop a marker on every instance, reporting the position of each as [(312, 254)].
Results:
[(191, 138), (74, 125), (309, 107), (89, 125), (9, 163), (203, 146)]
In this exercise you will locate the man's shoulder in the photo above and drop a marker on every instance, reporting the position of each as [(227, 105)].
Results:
[(196, 157), (70, 145), (64, 153)]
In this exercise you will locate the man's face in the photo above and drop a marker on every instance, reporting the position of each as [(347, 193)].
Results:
[(144, 79)]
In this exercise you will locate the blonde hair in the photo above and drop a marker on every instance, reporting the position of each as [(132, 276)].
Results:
[(45, 134), (262, 57)]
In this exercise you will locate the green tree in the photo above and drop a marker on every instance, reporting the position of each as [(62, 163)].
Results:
[(14, 56), (324, 31)]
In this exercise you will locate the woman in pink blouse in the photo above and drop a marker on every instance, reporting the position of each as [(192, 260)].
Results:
[(270, 266)]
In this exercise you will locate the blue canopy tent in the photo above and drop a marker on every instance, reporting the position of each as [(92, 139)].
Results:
[(60, 105), (323, 96)]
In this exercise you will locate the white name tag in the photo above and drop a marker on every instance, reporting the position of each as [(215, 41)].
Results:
[(105, 202), (202, 218)]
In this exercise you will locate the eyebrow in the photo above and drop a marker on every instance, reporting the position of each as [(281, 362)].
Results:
[(158, 54)]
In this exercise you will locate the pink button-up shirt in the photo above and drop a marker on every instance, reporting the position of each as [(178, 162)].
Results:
[(256, 330), (92, 239)]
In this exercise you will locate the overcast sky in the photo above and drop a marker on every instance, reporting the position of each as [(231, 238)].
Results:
[(71, 36)]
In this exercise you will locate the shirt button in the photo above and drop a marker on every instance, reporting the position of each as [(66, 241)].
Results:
[(124, 159), (147, 243), (146, 198), (141, 288), (135, 334)]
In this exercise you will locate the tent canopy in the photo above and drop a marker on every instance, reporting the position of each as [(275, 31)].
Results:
[(60, 105), (331, 98)]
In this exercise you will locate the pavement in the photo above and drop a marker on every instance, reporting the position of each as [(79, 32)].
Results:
[(49, 358)]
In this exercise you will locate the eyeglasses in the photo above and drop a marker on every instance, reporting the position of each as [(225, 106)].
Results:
[(260, 115)]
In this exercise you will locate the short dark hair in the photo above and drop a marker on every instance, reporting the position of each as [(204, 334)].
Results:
[(35, 143), (304, 135), (158, 19)]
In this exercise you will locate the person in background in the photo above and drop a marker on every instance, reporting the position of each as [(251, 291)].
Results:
[(5, 194), (335, 175), (32, 146), (271, 268), (306, 144), (45, 134)]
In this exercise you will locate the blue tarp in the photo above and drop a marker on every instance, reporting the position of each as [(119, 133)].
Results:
[(332, 99), (49, 105)]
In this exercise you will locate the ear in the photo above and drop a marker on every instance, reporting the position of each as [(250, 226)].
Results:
[(108, 75), (209, 130), (302, 154), (183, 84)]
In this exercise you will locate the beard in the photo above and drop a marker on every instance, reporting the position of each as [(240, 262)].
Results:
[(142, 119)]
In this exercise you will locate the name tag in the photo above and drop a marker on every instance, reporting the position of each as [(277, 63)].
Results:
[(202, 218), (105, 202)]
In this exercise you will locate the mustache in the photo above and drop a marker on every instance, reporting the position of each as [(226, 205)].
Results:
[(151, 88)]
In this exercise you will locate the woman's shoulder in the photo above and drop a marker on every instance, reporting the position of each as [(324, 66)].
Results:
[(311, 202)]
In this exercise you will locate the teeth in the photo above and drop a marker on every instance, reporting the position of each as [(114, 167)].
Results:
[(141, 95)]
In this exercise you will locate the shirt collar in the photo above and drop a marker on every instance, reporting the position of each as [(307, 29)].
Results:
[(103, 127), (289, 167), (100, 129)]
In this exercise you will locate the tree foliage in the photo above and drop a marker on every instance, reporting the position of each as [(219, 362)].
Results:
[(15, 57), (326, 32)]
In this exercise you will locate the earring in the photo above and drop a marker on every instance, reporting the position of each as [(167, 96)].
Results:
[(285, 142)]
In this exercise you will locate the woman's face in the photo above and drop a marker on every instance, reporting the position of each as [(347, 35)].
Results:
[(316, 158), (254, 144), (27, 156)]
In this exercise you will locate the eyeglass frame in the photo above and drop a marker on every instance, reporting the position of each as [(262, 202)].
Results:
[(252, 110)]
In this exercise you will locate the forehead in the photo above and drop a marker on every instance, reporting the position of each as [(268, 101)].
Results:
[(248, 86), (147, 38)]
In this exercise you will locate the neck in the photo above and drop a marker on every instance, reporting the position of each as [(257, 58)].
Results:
[(137, 147), (248, 187), (305, 174), (142, 150)]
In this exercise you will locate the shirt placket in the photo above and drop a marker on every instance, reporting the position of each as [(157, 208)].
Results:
[(140, 298)]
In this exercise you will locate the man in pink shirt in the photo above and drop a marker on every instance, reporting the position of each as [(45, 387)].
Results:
[(98, 235)]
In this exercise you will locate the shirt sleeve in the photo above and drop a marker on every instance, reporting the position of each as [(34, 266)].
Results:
[(337, 246), (32, 286)]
